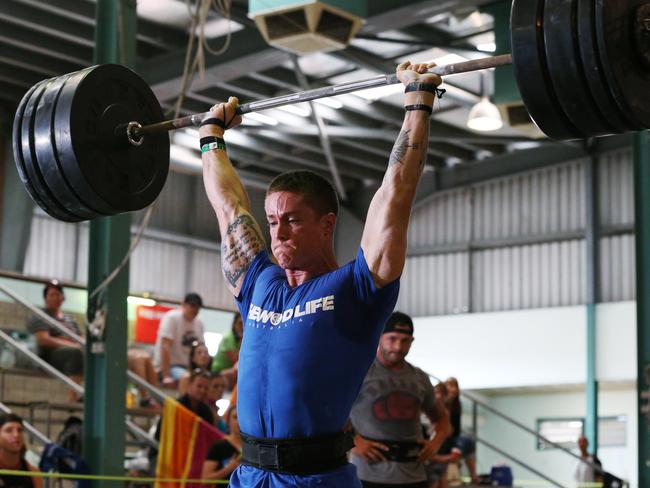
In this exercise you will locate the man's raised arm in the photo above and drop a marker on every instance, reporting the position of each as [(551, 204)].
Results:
[(384, 235), (241, 237)]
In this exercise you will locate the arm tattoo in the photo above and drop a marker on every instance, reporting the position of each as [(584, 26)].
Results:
[(401, 146), (239, 246)]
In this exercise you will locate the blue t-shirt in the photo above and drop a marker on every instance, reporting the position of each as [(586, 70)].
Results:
[(305, 353)]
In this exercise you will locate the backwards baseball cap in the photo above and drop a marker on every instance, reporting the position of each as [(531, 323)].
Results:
[(193, 299), (52, 284), (399, 322)]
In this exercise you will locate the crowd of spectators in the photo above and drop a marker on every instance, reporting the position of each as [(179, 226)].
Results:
[(180, 359)]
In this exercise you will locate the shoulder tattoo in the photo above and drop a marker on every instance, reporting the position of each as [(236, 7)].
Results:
[(239, 246)]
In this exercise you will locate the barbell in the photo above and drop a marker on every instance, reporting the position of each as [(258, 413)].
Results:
[(94, 143)]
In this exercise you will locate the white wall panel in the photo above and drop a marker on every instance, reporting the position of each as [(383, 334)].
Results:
[(446, 219), (540, 202), (81, 273), (51, 251), (616, 181), (160, 268), (617, 268), (208, 281), (434, 285), (541, 275)]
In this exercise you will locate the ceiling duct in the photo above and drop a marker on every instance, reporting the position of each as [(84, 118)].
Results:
[(304, 27)]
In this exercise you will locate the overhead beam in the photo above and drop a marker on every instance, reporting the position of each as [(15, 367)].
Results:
[(43, 22), (35, 62), (83, 11), (380, 112), (247, 51), (437, 134), (21, 75), (39, 42), (407, 13)]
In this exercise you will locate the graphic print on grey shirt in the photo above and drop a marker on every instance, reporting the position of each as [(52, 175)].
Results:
[(389, 407)]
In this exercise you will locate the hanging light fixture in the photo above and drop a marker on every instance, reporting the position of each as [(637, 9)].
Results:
[(484, 116)]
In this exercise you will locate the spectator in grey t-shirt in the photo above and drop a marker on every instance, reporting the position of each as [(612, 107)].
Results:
[(53, 346), (389, 446)]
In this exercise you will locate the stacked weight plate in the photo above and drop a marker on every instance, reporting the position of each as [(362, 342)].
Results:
[(580, 68), (95, 173)]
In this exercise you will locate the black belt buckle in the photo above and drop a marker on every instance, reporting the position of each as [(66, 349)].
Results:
[(268, 457)]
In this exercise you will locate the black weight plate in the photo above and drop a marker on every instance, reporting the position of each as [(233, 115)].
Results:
[(565, 68), (627, 76), (18, 148), (104, 171), (47, 156), (593, 70), (531, 72), (27, 140)]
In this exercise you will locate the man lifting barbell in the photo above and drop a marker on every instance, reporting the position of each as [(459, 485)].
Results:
[(312, 327)]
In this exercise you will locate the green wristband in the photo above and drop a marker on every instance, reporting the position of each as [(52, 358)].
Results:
[(213, 145)]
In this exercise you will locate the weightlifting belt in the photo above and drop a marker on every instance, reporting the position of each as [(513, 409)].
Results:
[(400, 451), (300, 456)]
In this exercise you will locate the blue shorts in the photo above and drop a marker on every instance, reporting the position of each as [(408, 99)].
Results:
[(177, 372), (251, 477), (466, 444)]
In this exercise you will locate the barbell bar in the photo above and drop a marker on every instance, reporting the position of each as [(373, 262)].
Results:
[(314, 94), (93, 143)]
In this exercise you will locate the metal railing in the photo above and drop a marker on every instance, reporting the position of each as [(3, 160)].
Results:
[(52, 371), (156, 392), (476, 401), (518, 461)]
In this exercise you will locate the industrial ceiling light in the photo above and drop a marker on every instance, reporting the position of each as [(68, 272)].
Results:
[(484, 116)]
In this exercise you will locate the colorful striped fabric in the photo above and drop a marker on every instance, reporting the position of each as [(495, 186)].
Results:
[(185, 440)]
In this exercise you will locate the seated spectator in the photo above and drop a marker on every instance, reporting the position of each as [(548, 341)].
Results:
[(12, 453), (141, 363), (215, 392), (462, 442), (67, 355), (54, 347), (199, 358), (194, 399), (196, 395), (178, 330), (224, 456), (228, 353)]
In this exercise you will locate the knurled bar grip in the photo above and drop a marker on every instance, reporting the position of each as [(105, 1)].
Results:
[(328, 91)]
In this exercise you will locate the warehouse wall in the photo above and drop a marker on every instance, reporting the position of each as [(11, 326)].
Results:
[(518, 242)]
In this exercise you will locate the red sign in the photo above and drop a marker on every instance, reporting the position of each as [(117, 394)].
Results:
[(147, 321)]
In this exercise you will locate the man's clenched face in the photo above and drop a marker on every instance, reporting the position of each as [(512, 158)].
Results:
[(298, 235)]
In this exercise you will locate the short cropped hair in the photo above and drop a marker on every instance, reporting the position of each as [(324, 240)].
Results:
[(318, 193), (199, 373), (5, 418)]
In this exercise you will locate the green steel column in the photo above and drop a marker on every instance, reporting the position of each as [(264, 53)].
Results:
[(642, 224), (106, 363), (593, 287)]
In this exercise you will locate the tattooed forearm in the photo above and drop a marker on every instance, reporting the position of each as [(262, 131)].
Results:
[(402, 145), (239, 246)]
